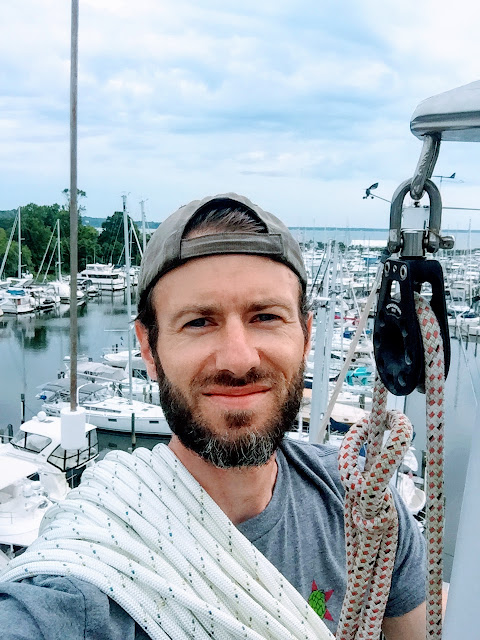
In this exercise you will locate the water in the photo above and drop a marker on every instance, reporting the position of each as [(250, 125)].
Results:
[(464, 239), (33, 347)]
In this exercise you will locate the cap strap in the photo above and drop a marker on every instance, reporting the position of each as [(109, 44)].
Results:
[(251, 243)]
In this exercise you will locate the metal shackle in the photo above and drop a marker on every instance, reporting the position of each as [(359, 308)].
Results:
[(396, 210)]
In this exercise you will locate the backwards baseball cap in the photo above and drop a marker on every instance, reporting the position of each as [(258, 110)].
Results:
[(168, 249)]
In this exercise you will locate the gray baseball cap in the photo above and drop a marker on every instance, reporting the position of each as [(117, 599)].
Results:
[(168, 249)]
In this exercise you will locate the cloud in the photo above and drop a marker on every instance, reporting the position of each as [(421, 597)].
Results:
[(293, 102)]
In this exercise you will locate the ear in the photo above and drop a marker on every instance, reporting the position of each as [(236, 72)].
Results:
[(142, 336), (308, 342)]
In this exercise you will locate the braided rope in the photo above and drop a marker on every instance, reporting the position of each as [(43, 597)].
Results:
[(371, 524), (434, 388), (143, 530)]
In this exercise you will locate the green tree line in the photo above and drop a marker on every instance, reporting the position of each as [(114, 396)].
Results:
[(38, 222)]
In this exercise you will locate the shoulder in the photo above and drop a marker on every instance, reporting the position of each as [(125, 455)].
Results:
[(317, 463), (58, 607), (312, 454)]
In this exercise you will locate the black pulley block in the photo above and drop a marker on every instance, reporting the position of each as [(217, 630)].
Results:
[(397, 339)]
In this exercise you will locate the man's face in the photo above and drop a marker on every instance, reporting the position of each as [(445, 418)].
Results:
[(229, 357)]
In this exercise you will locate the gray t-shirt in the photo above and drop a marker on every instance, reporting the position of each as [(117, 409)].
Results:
[(300, 532)]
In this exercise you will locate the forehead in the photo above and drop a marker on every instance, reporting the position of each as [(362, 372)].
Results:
[(225, 280)]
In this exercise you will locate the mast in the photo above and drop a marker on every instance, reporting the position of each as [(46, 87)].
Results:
[(73, 418), (59, 252), (144, 231), (9, 244), (129, 296), (19, 243), (469, 263)]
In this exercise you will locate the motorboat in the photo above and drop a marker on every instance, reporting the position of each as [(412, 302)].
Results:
[(34, 474), (17, 301), (104, 409), (86, 285), (142, 389), (120, 359), (63, 290), (105, 276)]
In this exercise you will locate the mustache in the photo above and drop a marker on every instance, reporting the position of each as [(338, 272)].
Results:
[(227, 379)]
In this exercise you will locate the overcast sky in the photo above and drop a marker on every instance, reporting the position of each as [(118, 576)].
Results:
[(298, 104)]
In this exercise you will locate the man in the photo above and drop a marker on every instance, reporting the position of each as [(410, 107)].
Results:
[(224, 327)]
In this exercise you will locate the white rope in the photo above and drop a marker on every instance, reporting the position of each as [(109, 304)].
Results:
[(143, 530)]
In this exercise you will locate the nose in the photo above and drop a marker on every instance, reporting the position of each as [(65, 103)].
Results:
[(236, 351)]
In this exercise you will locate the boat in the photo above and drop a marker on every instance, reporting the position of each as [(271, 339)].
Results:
[(87, 286), (17, 301), (34, 474), (142, 389), (105, 276), (63, 290), (121, 359), (104, 409)]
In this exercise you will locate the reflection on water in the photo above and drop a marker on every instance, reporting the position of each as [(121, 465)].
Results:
[(33, 348)]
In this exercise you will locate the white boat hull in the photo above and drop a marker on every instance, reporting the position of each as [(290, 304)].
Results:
[(117, 416)]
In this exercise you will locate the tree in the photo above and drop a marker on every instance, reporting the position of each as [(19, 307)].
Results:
[(87, 245), (111, 240), (35, 233), (80, 194), (38, 223), (11, 264)]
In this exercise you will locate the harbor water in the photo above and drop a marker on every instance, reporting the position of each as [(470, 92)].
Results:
[(33, 349), (465, 239)]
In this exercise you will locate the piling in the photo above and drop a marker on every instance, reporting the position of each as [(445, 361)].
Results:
[(134, 435)]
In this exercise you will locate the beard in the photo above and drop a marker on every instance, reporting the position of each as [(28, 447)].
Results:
[(252, 447)]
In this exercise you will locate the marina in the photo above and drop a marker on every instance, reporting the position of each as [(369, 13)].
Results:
[(375, 534), (34, 375)]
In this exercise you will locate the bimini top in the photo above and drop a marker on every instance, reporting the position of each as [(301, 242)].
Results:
[(453, 115)]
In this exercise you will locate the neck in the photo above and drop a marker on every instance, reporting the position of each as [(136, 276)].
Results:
[(241, 493)]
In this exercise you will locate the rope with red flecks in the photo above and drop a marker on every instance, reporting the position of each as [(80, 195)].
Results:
[(371, 524)]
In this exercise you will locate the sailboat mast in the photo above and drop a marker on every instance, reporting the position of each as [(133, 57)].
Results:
[(19, 243), (59, 253), (129, 296), (144, 231)]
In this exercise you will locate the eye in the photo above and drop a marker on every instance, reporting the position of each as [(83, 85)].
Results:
[(198, 323), (266, 317)]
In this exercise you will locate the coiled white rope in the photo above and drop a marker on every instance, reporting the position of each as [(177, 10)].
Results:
[(143, 530)]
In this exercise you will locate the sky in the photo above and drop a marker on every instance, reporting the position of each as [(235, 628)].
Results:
[(298, 104)]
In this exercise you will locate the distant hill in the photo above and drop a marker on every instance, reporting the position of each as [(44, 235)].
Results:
[(97, 222), (8, 214), (7, 218)]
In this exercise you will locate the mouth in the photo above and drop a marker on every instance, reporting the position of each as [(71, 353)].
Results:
[(237, 397)]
